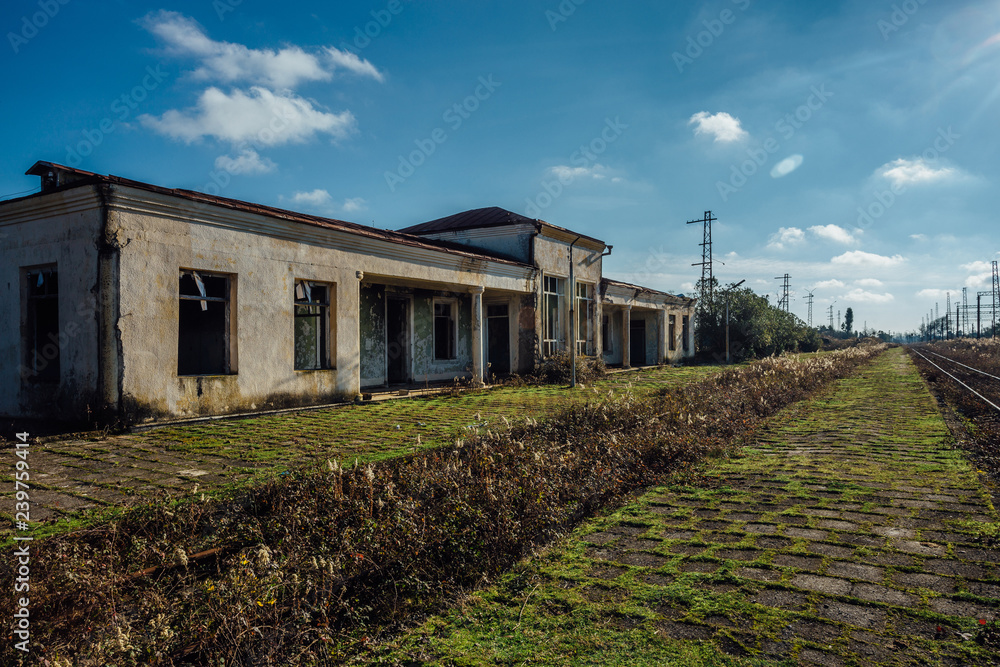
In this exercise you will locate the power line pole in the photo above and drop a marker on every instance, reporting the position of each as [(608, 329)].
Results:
[(809, 295), (784, 301), (979, 315), (706, 267), (965, 311), (831, 316), (947, 316), (996, 297)]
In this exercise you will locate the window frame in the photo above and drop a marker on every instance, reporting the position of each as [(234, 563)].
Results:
[(452, 304), (584, 318), (552, 345), (672, 331), (229, 319), (305, 287), (32, 348)]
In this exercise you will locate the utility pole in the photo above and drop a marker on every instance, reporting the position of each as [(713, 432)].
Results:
[(810, 296), (784, 301), (979, 315), (996, 297), (706, 263), (831, 316), (731, 288), (947, 317), (965, 311)]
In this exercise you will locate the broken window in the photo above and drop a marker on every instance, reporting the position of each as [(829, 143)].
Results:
[(445, 330), (552, 325), (41, 325), (605, 334), (686, 324), (312, 325), (203, 324), (585, 311), (672, 333)]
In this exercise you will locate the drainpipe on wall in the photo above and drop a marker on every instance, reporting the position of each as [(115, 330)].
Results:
[(572, 318)]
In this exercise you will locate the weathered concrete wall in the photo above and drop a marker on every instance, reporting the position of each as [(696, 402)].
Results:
[(60, 228), (425, 367), (265, 255)]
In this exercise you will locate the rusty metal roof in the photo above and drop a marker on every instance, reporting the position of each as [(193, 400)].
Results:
[(481, 218), (608, 282), (89, 178), (491, 216)]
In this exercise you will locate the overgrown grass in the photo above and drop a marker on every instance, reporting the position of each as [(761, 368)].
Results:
[(312, 567)]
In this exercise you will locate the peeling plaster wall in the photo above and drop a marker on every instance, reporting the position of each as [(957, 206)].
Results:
[(60, 228), (264, 255), (425, 367)]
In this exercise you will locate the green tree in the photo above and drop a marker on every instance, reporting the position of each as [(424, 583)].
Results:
[(849, 321)]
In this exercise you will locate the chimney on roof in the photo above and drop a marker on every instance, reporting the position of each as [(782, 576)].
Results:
[(56, 175)]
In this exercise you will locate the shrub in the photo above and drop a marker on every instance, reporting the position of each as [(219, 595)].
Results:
[(555, 368)]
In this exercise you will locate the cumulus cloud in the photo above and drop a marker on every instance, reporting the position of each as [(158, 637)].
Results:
[(869, 282), (722, 126), (904, 172), (862, 258), (246, 162), (786, 237), (834, 233), (260, 116), (864, 296), (596, 172), (918, 237), (314, 198), (938, 294), (227, 62), (829, 284)]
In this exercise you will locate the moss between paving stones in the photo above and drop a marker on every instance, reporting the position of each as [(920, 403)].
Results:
[(835, 540)]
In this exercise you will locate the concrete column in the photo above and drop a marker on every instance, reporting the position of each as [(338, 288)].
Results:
[(626, 336), (662, 337), (477, 336)]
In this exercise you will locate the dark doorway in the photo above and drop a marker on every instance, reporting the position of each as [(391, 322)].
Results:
[(397, 340), (637, 343), (498, 339)]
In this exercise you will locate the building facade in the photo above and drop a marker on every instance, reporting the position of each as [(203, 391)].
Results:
[(129, 302)]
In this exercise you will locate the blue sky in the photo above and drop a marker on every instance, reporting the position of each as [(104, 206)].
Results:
[(849, 144)]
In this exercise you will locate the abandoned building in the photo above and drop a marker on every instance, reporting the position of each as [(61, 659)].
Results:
[(132, 302)]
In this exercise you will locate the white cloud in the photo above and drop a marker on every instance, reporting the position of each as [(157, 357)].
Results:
[(787, 166), (862, 258), (938, 294), (247, 162), (725, 128), (978, 267), (918, 237), (864, 296), (834, 233), (321, 201), (261, 117), (230, 63), (903, 172), (597, 172), (786, 236), (352, 63), (829, 284), (315, 198), (354, 204), (869, 282)]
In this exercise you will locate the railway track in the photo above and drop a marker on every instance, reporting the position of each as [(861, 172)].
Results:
[(983, 385)]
